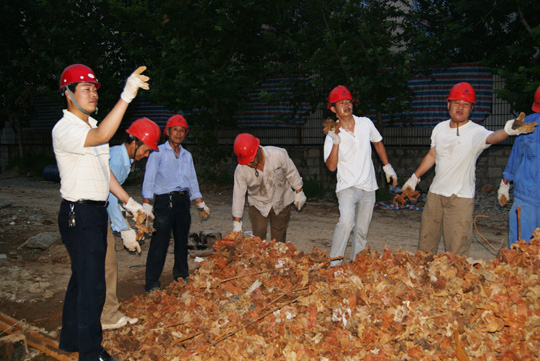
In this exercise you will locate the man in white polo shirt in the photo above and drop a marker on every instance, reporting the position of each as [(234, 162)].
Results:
[(82, 153), (348, 149)]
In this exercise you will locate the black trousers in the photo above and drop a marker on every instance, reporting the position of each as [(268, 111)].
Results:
[(171, 213), (86, 243)]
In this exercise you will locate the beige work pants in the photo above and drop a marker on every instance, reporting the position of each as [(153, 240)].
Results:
[(278, 223), (451, 217), (110, 313)]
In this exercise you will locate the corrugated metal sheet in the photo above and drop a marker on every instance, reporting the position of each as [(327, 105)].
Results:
[(428, 105), (278, 114)]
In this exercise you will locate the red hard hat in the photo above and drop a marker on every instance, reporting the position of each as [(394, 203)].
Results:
[(337, 94), (245, 148), (78, 73), (146, 131), (462, 91), (536, 104), (176, 121)]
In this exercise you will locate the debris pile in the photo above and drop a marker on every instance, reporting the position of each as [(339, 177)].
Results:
[(255, 300)]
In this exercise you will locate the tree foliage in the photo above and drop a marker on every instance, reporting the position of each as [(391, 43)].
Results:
[(206, 56), (45, 36), (501, 34), (359, 44)]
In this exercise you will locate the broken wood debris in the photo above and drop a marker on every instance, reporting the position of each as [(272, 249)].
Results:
[(384, 306)]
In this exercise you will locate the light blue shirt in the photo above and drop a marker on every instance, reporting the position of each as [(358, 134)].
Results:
[(166, 173), (120, 165)]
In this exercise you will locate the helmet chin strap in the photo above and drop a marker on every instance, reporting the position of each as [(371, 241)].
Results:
[(137, 146), (75, 102)]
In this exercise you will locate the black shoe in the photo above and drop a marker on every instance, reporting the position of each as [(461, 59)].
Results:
[(106, 357)]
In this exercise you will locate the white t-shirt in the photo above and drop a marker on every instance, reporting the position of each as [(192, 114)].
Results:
[(456, 156), (84, 171), (355, 166)]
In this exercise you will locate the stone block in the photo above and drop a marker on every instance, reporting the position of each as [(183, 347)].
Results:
[(13, 347), (501, 161), (315, 152)]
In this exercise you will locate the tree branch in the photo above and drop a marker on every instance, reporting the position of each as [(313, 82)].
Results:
[(335, 47), (522, 18)]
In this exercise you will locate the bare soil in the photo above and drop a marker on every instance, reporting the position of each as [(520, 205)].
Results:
[(33, 282)]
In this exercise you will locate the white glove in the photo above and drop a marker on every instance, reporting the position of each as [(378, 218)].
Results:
[(299, 200), (202, 207), (503, 194), (237, 226), (335, 138), (148, 209), (390, 174), (133, 207), (203, 210), (518, 126), (135, 81), (411, 183), (129, 237)]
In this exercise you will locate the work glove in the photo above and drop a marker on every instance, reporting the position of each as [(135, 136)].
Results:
[(299, 200), (503, 194), (518, 126), (135, 81), (129, 237), (335, 138), (411, 183), (204, 211), (237, 226), (390, 174), (148, 209), (133, 207)]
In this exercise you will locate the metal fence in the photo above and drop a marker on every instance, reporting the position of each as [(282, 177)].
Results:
[(402, 136)]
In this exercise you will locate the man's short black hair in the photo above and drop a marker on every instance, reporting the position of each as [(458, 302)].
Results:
[(72, 88), (130, 138)]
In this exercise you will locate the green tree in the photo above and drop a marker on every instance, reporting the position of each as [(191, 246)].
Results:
[(204, 57), (359, 44), (42, 37), (502, 34)]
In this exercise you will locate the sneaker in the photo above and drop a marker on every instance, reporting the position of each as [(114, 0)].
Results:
[(132, 320), (153, 289), (124, 320)]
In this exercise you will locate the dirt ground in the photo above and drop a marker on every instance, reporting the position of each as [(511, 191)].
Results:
[(33, 282)]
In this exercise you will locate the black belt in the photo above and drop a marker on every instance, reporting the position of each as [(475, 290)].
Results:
[(179, 193), (90, 202)]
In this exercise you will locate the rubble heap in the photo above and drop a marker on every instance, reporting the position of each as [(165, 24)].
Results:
[(253, 300)]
